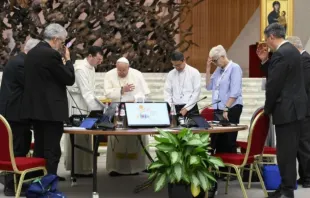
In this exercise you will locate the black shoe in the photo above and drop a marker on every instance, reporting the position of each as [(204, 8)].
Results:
[(61, 178), (116, 174), (275, 194), (213, 191), (300, 181), (306, 185), (83, 175)]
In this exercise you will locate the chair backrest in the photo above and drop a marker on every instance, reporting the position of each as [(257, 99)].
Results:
[(257, 135), (256, 112), (6, 145), (208, 114)]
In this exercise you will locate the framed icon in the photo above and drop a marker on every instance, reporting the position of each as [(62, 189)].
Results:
[(280, 11)]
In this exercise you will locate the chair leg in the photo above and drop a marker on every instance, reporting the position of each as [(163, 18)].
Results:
[(261, 179), (20, 184), (227, 180), (240, 181), (250, 176), (15, 183)]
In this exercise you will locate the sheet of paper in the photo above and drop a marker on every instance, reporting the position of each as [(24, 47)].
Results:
[(74, 128)]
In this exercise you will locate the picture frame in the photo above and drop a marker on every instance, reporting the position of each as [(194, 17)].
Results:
[(276, 11)]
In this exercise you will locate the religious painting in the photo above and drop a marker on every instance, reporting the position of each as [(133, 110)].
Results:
[(280, 11)]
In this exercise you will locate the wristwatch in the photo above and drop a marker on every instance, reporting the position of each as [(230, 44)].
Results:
[(226, 109)]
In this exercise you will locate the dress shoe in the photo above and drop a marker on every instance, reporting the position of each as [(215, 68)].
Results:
[(300, 181), (278, 194), (116, 174), (61, 178), (306, 185)]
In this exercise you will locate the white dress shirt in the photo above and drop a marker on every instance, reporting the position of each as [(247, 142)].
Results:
[(183, 87)]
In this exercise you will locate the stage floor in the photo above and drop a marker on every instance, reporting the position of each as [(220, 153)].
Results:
[(122, 187)]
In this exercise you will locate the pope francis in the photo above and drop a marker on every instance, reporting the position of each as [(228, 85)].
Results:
[(125, 155)]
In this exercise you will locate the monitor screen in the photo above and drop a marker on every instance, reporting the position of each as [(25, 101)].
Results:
[(88, 123), (147, 114)]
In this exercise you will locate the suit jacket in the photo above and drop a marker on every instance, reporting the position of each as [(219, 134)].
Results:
[(46, 78), (12, 88), (286, 97), (305, 61)]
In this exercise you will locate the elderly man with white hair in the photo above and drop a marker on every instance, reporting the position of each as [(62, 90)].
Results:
[(48, 70), (125, 155), (12, 88), (303, 154)]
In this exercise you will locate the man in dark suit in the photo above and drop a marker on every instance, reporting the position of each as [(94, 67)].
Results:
[(12, 88), (286, 101), (48, 70), (303, 154)]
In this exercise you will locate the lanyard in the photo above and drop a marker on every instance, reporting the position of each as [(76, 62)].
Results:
[(221, 77)]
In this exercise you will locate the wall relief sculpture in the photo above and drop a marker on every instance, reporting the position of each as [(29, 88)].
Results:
[(144, 31)]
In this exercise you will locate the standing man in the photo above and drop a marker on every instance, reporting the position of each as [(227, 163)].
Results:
[(286, 101), (303, 154), (182, 86), (125, 155), (48, 70), (83, 93), (12, 88)]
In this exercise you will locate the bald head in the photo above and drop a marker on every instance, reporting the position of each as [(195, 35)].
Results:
[(122, 67)]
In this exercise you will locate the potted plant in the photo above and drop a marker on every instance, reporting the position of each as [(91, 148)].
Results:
[(184, 163)]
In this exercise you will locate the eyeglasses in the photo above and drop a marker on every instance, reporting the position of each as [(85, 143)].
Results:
[(215, 60)]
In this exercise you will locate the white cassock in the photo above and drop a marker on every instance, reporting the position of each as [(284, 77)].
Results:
[(83, 92), (125, 154), (183, 87)]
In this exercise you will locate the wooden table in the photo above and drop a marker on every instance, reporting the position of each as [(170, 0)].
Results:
[(128, 132)]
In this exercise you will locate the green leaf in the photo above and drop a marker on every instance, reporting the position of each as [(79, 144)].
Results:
[(194, 142), (152, 175), (205, 137), (164, 134), (173, 139), (163, 157), (216, 161), (178, 171), (186, 177), (195, 180), (195, 190), (188, 151), (194, 160), (165, 147), (182, 133), (155, 165), (203, 180), (174, 157), (160, 182), (209, 176), (161, 139), (199, 150)]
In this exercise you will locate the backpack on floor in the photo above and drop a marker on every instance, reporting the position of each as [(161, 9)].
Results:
[(46, 187)]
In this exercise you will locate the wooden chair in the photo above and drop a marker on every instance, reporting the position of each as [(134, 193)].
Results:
[(16, 165), (257, 136)]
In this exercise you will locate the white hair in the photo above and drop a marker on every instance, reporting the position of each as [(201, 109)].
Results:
[(54, 30), (295, 40), (217, 52), (31, 43)]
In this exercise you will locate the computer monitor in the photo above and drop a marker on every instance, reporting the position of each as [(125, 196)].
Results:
[(147, 114)]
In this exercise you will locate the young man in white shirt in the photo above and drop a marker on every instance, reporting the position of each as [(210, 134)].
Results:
[(182, 86)]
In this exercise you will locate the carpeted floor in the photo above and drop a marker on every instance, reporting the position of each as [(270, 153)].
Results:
[(122, 187)]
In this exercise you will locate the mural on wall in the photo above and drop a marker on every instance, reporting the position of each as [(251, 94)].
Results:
[(280, 11), (144, 31)]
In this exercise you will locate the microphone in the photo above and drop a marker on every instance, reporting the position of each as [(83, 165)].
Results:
[(74, 102), (193, 112), (178, 114)]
